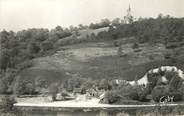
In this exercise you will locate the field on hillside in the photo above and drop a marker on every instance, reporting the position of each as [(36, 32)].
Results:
[(85, 32), (98, 60)]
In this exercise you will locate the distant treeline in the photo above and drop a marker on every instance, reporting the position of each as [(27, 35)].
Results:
[(151, 30)]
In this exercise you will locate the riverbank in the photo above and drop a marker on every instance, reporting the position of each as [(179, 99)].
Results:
[(92, 107), (92, 103)]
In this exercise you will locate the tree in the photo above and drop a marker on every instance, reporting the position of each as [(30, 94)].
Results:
[(175, 83), (170, 75), (92, 26), (114, 33), (23, 87), (87, 84), (81, 26), (177, 95), (6, 81), (4, 59), (40, 82), (46, 45), (59, 28), (67, 32), (71, 28), (3, 87), (120, 51), (4, 38), (53, 90), (104, 84), (116, 22), (41, 35), (135, 46), (160, 16), (112, 97), (33, 48), (7, 104), (74, 82), (59, 33), (142, 92), (104, 23), (129, 92)]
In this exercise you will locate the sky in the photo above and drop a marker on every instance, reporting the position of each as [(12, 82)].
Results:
[(22, 14)]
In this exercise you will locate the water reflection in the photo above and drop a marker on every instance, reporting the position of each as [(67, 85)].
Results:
[(113, 112), (76, 113)]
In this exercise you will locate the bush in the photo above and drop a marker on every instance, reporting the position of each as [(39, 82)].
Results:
[(177, 95), (111, 97), (74, 82), (46, 45), (142, 93), (136, 92), (160, 91), (4, 59), (181, 90), (53, 90), (151, 57), (41, 82), (129, 92), (87, 84), (7, 104), (172, 45), (104, 84), (3, 86), (137, 50), (175, 81), (125, 95), (24, 65), (172, 89), (116, 43), (168, 55), (23, 87), (6, 82), (135, 46), (153, 79), (7, 108), (33, 48)]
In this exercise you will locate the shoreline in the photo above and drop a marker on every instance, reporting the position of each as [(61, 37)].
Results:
[(93, 103), (102, 106)]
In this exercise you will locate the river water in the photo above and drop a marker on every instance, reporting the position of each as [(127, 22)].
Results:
[(153, 111), (100, 112), (78, 113)]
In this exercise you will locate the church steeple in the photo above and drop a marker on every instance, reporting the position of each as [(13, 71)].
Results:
[(128, 18), (129, 9)]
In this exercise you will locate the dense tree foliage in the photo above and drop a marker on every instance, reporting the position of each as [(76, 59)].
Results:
[(151, 30), (159, 90), (103, 23), (25, 87), (7, 104)]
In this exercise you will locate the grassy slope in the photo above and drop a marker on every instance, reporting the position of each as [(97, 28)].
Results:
[(98, 60)]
